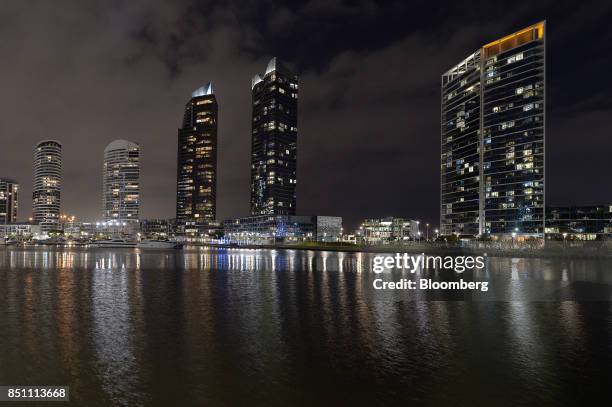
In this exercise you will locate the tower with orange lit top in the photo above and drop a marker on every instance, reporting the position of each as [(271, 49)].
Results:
[(492, 137)]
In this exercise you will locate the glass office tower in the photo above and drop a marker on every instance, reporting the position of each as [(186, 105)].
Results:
[(492, 139), (196, 199), (274, 141)]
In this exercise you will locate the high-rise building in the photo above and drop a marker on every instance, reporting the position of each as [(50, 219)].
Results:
[(9, 194), (121, 181), (196, 198), (492, 136), (47, 184), (274, 141)]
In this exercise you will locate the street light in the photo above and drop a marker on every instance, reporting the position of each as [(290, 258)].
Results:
[(427, 232)]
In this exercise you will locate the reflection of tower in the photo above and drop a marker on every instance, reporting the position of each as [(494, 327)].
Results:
[(47, 184), (196, 195), (115, 321), (274, 141), (492, 137), (121, 181)]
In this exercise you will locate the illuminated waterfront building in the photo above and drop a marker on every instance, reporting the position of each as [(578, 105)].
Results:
[(19, 230), (492, 138), (196, 198), (47, 184), (9, 198), (390, 229), (275, 228), (121, 181), (274, 141)]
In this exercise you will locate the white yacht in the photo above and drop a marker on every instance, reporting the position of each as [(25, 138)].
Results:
[(113, 243), (158, 244)]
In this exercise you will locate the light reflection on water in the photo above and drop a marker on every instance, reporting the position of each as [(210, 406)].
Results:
[(276, 327)]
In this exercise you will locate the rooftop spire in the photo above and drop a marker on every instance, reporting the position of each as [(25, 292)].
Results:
[(203, 91)]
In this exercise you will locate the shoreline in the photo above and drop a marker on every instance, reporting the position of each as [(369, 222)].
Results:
[(587, 250), (594, 251)]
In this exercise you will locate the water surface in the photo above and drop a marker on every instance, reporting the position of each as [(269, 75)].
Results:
[(275, 328)]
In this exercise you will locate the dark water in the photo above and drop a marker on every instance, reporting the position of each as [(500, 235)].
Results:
[(277, 328)]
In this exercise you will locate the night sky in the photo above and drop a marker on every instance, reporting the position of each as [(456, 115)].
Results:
[(87, 73)]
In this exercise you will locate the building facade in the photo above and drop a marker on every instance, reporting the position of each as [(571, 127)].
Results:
[(156, 228), (386, 230), (196, 198), (47, 184), (492, 139), (274, 141), (121, 181), (579, 222), (20, 230), (79, 230), (9, 201), (266, 229), (328, 228)]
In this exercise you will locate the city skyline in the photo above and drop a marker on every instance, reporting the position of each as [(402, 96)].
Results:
[(340, 99)]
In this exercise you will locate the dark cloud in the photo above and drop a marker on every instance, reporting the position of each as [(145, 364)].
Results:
[(87, 73)]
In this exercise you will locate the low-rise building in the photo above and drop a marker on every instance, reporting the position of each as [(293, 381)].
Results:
[(328, 228), (192, 231), (20, 230), (386, 230), (78, 230), (156, 228), (112, 229), (263, 229)]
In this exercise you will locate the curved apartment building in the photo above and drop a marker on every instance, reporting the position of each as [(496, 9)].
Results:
[(47, 184), (121, 181)]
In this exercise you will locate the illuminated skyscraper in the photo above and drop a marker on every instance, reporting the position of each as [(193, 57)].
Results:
[(9, 194), (274, 141), (47, 184), (196, 198), (492, 136), (121, 181)]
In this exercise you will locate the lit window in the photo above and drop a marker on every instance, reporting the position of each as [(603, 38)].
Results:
[(515, 58)]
